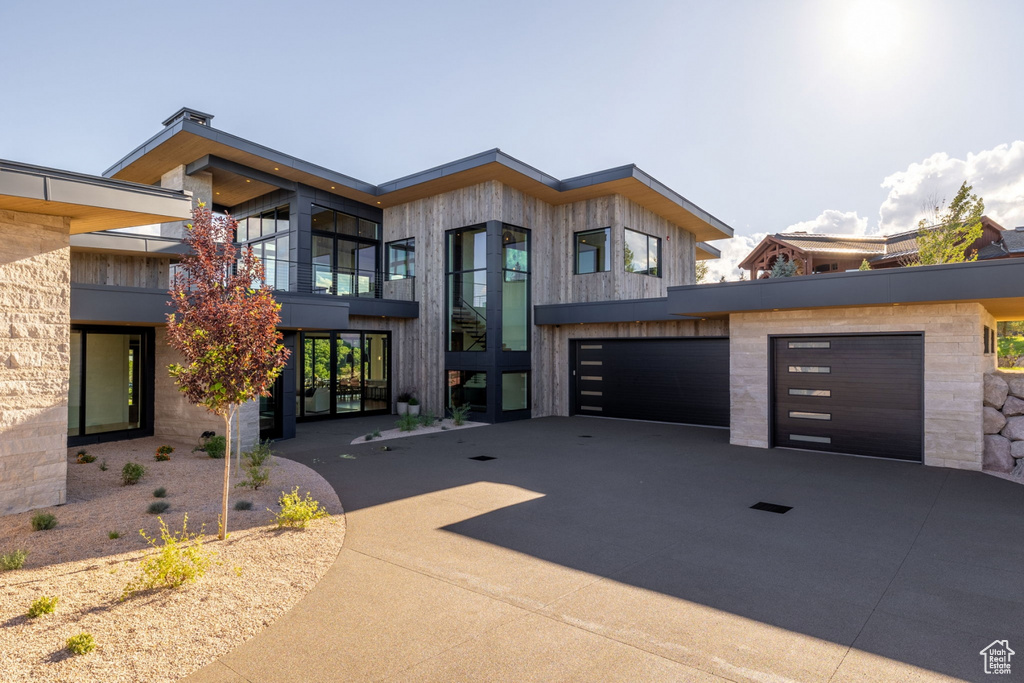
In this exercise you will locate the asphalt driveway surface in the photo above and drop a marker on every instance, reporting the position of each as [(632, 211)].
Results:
[(602, 550)]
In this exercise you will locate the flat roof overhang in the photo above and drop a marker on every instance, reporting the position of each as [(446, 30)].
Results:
[(192, 144), (625, 311), (997, 285), (91, 203)]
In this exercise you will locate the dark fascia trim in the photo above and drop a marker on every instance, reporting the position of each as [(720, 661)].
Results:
[(241, 144), (212, 161), (383, 308), (464, 164), (708, 249), (625, 311), (45, 173), (996, 279), (123, 241)]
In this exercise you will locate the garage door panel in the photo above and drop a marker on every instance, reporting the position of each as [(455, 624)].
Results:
[(874, 394), (672, 380)]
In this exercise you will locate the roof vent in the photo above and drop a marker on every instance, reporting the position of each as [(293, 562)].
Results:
[(186, 114)]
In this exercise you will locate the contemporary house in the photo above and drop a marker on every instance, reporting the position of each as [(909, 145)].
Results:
[(819, 253), (483, 282)]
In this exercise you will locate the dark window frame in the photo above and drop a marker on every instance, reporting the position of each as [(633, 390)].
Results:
[(607, 261), (657, 243), (410, 243)]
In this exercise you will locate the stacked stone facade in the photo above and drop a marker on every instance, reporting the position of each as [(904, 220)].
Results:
[(175, 419), (1003, 422), (35, 359), (955, 363)]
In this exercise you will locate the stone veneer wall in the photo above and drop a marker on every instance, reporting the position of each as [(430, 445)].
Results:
[(35, 360), (174, 418), (1003, 422), (955, 364)]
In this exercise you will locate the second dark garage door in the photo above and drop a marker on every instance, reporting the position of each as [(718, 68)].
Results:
[(854, 394), (669, 380)]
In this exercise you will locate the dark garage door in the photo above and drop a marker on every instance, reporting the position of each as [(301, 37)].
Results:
[(850, 394), (669, 380)]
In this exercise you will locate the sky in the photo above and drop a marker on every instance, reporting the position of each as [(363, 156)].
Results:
[(831, 116)]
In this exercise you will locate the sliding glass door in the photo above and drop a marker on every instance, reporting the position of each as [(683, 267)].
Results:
[(343, 373), (110, 389)]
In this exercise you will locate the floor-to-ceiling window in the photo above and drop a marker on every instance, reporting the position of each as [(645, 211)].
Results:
[(110, 389), (345, 254), (488, 310), (343, 373)]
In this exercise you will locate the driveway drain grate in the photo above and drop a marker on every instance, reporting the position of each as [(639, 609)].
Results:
[(482, 458), (586, 436), (771, 507)]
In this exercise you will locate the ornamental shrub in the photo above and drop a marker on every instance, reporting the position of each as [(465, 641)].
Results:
[(297, 512), (43, 521), (82, 644), (181, 559), (15, 560), (42, 605), (131, 473)]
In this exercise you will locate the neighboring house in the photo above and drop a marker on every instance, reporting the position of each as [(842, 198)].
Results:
[(816, 253), (1009, 245), (483, 282)]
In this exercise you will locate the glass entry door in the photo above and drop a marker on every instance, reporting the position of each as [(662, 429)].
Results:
[(344, 373), (110, 387)]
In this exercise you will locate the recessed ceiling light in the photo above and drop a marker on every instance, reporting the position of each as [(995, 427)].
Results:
[(247, 180), (276, 168), (218, 193), (332, 187)]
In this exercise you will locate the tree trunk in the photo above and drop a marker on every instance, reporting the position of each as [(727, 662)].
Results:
[(223, 530), (238, 441)]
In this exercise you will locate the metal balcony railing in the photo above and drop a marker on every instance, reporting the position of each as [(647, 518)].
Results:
[(315, 278)]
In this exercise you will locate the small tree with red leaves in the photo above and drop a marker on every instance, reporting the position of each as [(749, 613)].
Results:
[(225, 327)]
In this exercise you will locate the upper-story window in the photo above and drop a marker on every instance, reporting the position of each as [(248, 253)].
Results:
[(467, 289), (515, 289), (345, 253), (642, 253), (593, 251), (273, 251), (401, 259), (262, 225)]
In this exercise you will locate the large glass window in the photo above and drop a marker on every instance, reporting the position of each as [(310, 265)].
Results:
[(642, 253), (515, 289), (402, 259), (593, 251), (468, 387), (515, 391), (343, 373), (467, 289), (345, 257), (106, 390), (263, 224), (273, 253)]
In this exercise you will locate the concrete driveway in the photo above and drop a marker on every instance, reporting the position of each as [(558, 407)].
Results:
[(598, 550)]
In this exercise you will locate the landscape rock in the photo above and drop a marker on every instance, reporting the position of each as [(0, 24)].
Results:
[(1014, 429), (992, 420), (996, 457), (1017, 450), (996, 390), (1013, 406), (1015, 383), (1018, 471)]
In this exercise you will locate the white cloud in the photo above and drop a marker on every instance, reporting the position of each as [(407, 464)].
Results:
[(734, 250), (833, 222), (997, 176)]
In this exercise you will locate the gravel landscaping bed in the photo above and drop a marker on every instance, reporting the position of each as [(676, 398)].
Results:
[(440, 426), (160, 635)]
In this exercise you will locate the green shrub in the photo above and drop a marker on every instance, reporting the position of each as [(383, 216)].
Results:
[(408, 423), (43, 521), (164, 452), (368, 437), (131, 473), (103, 466), (413, 401), (160, 492), (180, 560), (459, 414), (257, 464), (156, 507), (215, 446), (82, 644), (15, 560), (376, 433), (297, 512), (84, 457), (243, 505), (113, 534), (42, 605), (427, 419)]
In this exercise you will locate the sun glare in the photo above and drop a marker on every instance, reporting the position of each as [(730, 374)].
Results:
[(872, 29)]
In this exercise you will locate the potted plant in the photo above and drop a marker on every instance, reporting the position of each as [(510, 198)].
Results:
[(414, 406), (403, 402)]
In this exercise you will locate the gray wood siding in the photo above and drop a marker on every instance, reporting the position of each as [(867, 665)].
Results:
[(419, 345), (120, 270)]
